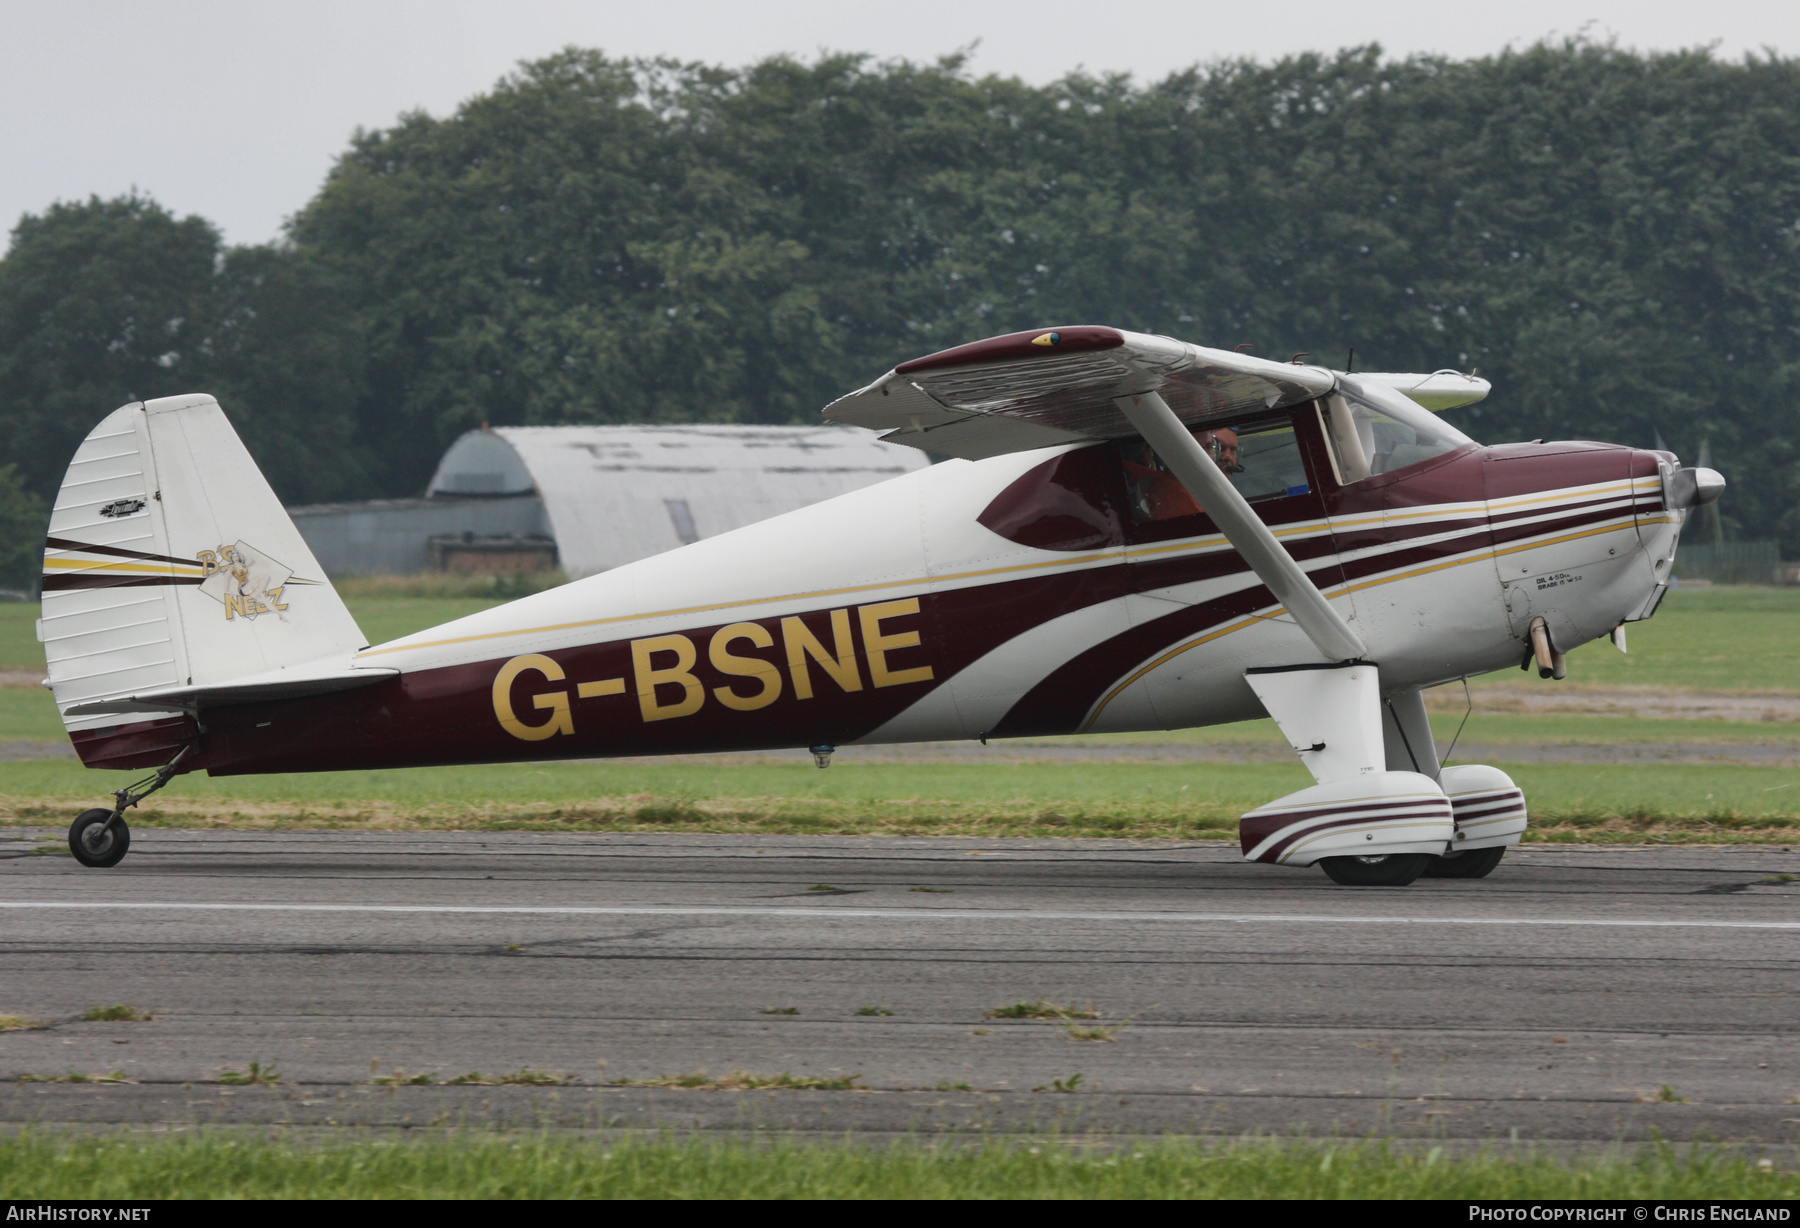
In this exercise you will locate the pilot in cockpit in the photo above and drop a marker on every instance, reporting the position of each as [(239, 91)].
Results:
[(1158, 494), (1221, 444)]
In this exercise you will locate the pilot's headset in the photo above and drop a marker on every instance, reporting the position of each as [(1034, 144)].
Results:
[(1215, 448)]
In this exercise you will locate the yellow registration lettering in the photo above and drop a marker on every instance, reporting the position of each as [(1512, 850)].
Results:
[(555, 702), (719, 652), (839, 664), (877, 646), (679, 674)]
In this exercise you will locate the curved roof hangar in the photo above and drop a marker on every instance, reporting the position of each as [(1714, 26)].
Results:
[(615, 494)]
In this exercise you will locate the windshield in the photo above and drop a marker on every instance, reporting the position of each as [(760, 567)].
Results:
[(1376, 430)]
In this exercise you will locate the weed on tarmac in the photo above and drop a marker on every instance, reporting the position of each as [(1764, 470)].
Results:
[(525, 1077), (253, 1075), (1040, 1009), (1077, 1032), (743, 1080)]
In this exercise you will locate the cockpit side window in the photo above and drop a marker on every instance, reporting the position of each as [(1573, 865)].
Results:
[(1374, 430), (1262, 459)]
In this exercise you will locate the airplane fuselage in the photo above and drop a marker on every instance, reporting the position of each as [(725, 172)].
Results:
[(998, 598)]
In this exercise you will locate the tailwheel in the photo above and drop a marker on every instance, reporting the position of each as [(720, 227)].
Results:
[(99, 838), (1389, 870), (1475, 863)]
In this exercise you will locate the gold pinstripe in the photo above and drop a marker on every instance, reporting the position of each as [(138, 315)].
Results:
[(739, 604), (1591, 492), (1277, 611), (1512, 503), (1210, 543), (159, 569)]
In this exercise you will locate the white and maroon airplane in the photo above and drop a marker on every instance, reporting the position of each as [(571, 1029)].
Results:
[(1058, 577)]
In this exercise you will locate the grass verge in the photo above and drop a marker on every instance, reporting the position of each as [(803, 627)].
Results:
[(29, 714), (1570, 803), (1719, 638), (41, 1165), (1724, 638)]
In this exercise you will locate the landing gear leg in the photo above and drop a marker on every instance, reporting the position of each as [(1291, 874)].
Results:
[(100, 838)]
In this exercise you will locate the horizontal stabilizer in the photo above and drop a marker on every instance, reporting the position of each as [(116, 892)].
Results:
[(291, 683)]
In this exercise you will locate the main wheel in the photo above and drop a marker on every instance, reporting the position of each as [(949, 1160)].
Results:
[(1389, 870), (1476, 863), (95, 847)]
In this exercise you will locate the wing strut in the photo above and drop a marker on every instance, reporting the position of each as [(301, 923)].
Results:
[(1182, 453)]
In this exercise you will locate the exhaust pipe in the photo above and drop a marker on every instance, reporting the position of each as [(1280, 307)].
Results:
[(1550, 662)]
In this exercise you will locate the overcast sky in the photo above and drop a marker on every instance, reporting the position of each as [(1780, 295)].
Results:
[(234, 110)]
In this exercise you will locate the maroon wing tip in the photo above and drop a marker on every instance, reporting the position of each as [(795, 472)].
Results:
[(1020, 345)]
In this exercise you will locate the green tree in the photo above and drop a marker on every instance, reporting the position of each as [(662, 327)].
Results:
[(286, 361), (1612, 238), (22, 520), (1609, 236), (113, 301), (101, 303)]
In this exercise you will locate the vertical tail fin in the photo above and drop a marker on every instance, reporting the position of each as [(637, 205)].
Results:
[(170, 563)]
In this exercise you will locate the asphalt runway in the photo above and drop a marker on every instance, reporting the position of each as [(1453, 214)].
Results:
[(1555, 1000)]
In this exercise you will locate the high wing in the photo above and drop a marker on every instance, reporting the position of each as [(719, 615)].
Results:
[(1437, 392), (1055, 386), (1088, 383)]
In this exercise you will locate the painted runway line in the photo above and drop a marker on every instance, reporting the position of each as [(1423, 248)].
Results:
[(910, 914)]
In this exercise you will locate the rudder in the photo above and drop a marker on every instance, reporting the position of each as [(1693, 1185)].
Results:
[(170, 562)]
